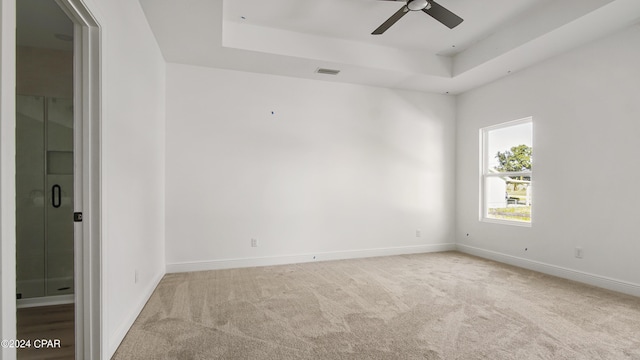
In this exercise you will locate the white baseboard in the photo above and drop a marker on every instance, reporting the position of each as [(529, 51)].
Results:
[(559, 271), (122, 330), (303, 258), (45, 301)]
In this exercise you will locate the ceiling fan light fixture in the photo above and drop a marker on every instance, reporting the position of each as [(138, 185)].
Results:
[(417, 5)]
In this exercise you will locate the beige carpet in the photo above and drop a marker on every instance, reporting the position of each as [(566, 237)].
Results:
[(426, 306)]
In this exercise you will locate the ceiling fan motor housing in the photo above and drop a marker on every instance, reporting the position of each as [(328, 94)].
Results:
[(418, 5)]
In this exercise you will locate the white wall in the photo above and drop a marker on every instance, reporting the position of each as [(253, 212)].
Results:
[(585, 106), (336, 171), (7, 176), (133, 131)]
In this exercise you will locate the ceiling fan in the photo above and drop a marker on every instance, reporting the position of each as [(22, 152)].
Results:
[(430, 7)]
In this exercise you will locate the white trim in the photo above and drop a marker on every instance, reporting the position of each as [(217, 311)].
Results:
[(521, 121), (46, 301), (87, 120), (559, 271), (507, 222), (303, 258), (7, 175), (122, 330)]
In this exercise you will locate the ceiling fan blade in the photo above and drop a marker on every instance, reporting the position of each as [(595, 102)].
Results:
[(390, 21), (443, 15)]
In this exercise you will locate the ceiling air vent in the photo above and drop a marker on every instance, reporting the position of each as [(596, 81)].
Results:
[(327, 71)]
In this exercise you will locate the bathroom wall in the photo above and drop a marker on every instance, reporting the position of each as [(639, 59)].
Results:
[(44, 72)]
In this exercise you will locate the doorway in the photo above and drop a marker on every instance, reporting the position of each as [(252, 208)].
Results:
[(44, 154), (44, 177), (57, 175)]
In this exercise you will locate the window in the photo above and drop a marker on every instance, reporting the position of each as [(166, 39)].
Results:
[(506, 164)]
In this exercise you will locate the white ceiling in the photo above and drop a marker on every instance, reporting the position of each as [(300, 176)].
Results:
[(295, 37), (356, 19)]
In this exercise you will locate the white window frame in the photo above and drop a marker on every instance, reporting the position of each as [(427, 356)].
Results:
[(485, 174)]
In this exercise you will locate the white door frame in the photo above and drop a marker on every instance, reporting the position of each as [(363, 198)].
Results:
[(7, 175), (87, 235), (87, 238)]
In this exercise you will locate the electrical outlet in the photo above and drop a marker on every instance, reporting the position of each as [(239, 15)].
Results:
[(254, 242), (418, 233), (579, 253)]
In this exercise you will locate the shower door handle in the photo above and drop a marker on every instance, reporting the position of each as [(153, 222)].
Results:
[(56, 196)]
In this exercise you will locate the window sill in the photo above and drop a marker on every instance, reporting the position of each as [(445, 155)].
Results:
[(506, 222)]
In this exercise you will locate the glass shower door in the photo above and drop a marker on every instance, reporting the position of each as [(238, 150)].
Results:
[(59, 216), (44, 196)]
